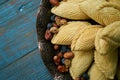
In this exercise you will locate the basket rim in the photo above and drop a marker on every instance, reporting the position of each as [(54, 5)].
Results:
[(43, 17)]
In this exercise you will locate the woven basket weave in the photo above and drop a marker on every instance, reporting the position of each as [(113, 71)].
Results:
[(45, 47)]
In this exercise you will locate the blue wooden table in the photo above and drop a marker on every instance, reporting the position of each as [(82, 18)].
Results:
[(19, 55)]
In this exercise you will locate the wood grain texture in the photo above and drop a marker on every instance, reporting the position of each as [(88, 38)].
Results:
[(29, 67), (20, 58), (17, 29)]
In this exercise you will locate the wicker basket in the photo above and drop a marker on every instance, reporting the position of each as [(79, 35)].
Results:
[(45, 47)]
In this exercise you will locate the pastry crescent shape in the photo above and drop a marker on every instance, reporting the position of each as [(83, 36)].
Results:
[(101, 11), (80, 63), (108, 38), (95, 74), (107, 64), (68, 31), (111, 33), (101, 45), (106, 54), (69, 10), (84, 40)]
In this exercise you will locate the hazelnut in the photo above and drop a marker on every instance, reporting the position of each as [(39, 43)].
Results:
[(62, 68), (56, 60), (63, 21), (68, 55), (54, 2), (48, 35), (54, 30), (57, 20), (60, 21), (67, 62), (55, 25), (56, 47)]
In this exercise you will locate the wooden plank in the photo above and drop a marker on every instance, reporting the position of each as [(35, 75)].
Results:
[(29, 67), (17, 29), (3, 1)]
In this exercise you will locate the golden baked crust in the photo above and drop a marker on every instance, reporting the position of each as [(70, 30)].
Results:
[(95, 74), (80, 63), (84, 40), (68, 31), (101, 11), (69, 10)]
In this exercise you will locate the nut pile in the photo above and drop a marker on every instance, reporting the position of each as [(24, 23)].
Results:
[(53, 26), (63, 53)]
